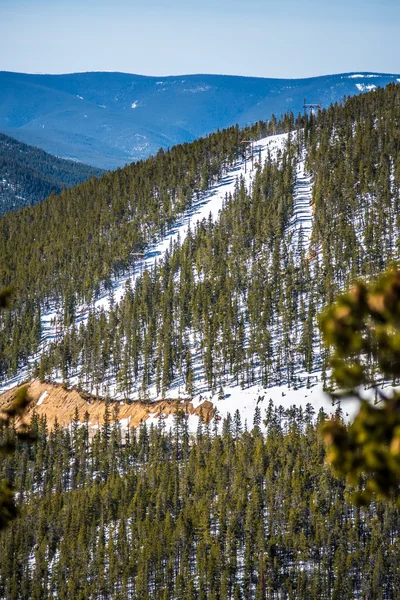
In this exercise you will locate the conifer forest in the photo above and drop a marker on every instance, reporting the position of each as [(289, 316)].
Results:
[(238, 298), (28, 175), (238, 509), (164, 515)]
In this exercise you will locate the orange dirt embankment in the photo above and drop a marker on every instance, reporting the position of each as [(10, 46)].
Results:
[(58, 403)]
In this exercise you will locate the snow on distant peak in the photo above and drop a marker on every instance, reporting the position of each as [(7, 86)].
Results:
[(197, 88), (361, 75), (80, 97), (76, 160), (135, 104), (365, 88)]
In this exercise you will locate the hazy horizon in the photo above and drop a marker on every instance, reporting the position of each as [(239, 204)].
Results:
[(361, 71), (263, 38)]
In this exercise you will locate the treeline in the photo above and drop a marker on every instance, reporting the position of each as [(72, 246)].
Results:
[(28, 175), (68, 247), (227, 515)]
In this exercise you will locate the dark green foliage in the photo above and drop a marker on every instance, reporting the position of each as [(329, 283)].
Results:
[(90, 231), (235, 515), (235, 298), (354, 154), (9, 438), (76, 242), (237, 286), (364, 325), (221, 278), (5, 294), (28, 174), (226, 516)]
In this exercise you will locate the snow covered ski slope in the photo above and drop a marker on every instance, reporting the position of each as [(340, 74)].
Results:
[(302, 219), (208, 203)]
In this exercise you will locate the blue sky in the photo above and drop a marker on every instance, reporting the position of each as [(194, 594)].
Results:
[(266, 38)]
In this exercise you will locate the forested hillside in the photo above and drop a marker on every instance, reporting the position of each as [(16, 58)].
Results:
[(108, 296), (28, 174), (75, 244), (234, 303), (233, 515)]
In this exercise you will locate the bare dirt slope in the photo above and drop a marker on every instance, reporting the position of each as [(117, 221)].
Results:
[(55, 402)]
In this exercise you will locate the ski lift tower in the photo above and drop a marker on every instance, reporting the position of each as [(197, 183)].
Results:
[(251, 155), (311, 107)]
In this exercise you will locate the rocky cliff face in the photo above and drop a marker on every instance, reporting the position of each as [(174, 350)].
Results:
[(57, 403)]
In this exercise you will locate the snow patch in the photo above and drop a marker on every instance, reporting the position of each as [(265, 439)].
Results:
[(365, 88), (124, 423), (360, 75), (42, 397), (198, 88), (247, 400), (135, 104)]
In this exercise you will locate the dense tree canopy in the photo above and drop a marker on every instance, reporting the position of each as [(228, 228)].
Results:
[(229, 513), (28, 174), (76, 242), (223, 516), (236, 296)]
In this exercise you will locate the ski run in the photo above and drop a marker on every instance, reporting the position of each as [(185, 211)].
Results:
[(301, 222), (209, 205)]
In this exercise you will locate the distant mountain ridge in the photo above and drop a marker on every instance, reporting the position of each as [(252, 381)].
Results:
[(109, 119), (28, 174)]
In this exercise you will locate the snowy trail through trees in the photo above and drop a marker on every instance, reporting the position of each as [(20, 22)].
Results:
[(208, 202), (302, 219), (246, 400)]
